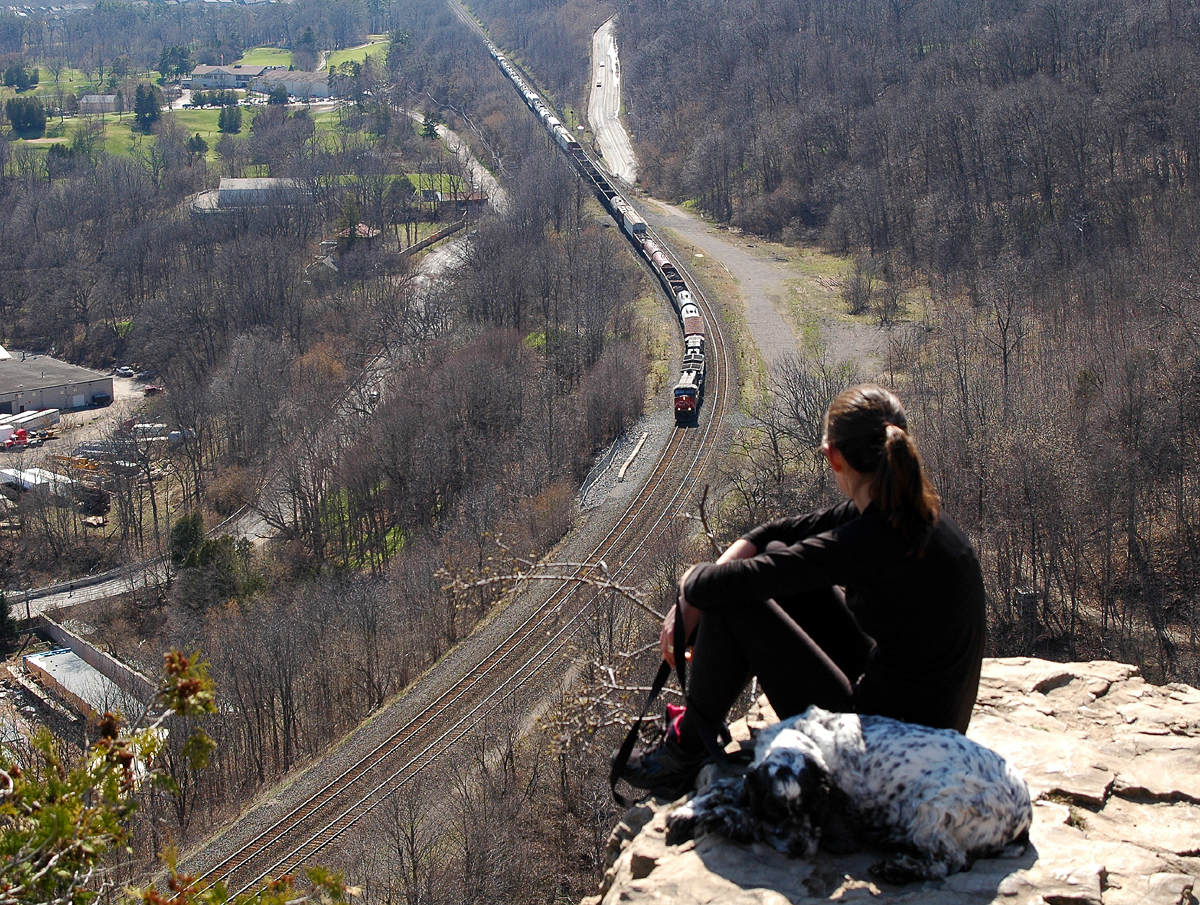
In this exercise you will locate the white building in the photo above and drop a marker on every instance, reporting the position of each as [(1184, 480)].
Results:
[(30, 381), (234, 194), (98, 103), (298, 84)]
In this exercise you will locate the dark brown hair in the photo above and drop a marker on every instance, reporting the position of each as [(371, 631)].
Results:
[(868, 426)]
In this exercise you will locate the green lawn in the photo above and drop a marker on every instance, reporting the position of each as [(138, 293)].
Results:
[(376, 47), (205, 122), (266, 56), (119, 137)]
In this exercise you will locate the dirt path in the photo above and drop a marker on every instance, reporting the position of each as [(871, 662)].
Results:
[(790, 304), (761, 286)]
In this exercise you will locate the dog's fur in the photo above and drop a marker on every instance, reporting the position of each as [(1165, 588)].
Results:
[(834, 778)]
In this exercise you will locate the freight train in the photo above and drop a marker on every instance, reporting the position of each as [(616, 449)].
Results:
[(689, 391)]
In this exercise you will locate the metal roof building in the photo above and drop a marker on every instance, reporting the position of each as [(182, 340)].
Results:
[(31, 381), (89, 692)]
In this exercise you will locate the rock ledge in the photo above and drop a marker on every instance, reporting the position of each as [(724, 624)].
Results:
[(1112, 762)]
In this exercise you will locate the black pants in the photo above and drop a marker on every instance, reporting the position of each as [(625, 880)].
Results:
[(805, 650)]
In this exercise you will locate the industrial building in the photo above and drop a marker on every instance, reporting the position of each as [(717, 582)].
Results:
[(31, 381), (68, 676)]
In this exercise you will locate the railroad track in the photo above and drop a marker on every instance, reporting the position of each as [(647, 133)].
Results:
[(525, 657), (531, 650)]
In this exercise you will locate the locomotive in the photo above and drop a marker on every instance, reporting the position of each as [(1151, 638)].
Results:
[(689, 391)]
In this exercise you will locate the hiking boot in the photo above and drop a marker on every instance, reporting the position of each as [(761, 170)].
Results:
[(666, 770)]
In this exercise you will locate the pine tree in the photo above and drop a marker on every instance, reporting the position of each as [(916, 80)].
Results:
[(230, 119), (147, 104)]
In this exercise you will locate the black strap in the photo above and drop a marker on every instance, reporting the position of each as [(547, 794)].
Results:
[(715, 740), (715, 750), (626, 749), (680, 643)]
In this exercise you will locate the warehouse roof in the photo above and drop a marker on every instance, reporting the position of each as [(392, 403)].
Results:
[(26, 371)]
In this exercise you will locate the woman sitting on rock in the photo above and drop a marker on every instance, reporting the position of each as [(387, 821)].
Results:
[(874, 606)]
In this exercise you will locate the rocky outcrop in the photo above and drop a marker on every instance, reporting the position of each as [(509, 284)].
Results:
[(1112, 761)]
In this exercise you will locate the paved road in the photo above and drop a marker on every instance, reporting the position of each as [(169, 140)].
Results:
[(604, 106)]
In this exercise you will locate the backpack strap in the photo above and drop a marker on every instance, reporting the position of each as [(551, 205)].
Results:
[(715, 749), (626, 749)]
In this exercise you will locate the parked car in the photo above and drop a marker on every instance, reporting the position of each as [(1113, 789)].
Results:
[(124, 372), (153, 389)]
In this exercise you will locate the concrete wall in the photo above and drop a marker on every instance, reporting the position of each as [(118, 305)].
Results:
[(125, 677)]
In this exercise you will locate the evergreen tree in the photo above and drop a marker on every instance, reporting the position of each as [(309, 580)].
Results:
[(27, 115), (8, 625), (187, 535), (230, 119), (197, 146), (147, 107)]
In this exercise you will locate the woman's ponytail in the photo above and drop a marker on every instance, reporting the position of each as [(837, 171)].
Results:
[(868, 425), (901, 490)]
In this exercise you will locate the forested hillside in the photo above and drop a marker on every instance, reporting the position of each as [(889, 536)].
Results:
[(1034, 166), (499, 374)]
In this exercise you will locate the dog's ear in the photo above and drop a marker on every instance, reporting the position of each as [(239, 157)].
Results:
[(839, 826), (756, 789), (815, 787), (785, 787)]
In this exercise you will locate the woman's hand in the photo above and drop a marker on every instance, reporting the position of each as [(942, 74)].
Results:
[(666, 638), (691, 618)]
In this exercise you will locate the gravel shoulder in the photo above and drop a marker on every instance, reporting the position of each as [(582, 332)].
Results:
[(788, 296)]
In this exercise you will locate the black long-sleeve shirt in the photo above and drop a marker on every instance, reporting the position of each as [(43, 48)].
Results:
[(925, 612)]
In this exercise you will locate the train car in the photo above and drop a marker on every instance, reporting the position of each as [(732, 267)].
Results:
[(631, 222), (665, 267), (565, 139), (689, 391), (690, 316)]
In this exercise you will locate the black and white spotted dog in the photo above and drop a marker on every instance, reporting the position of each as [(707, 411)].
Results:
[(838, 778)]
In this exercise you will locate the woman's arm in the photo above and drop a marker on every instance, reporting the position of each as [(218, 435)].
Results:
[(793, 529), (848, 555), (739, 549)]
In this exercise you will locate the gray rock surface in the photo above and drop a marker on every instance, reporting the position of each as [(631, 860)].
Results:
[(1112, 762)]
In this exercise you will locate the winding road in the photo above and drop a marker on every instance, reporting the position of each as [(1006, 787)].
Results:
[(604, 106)]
